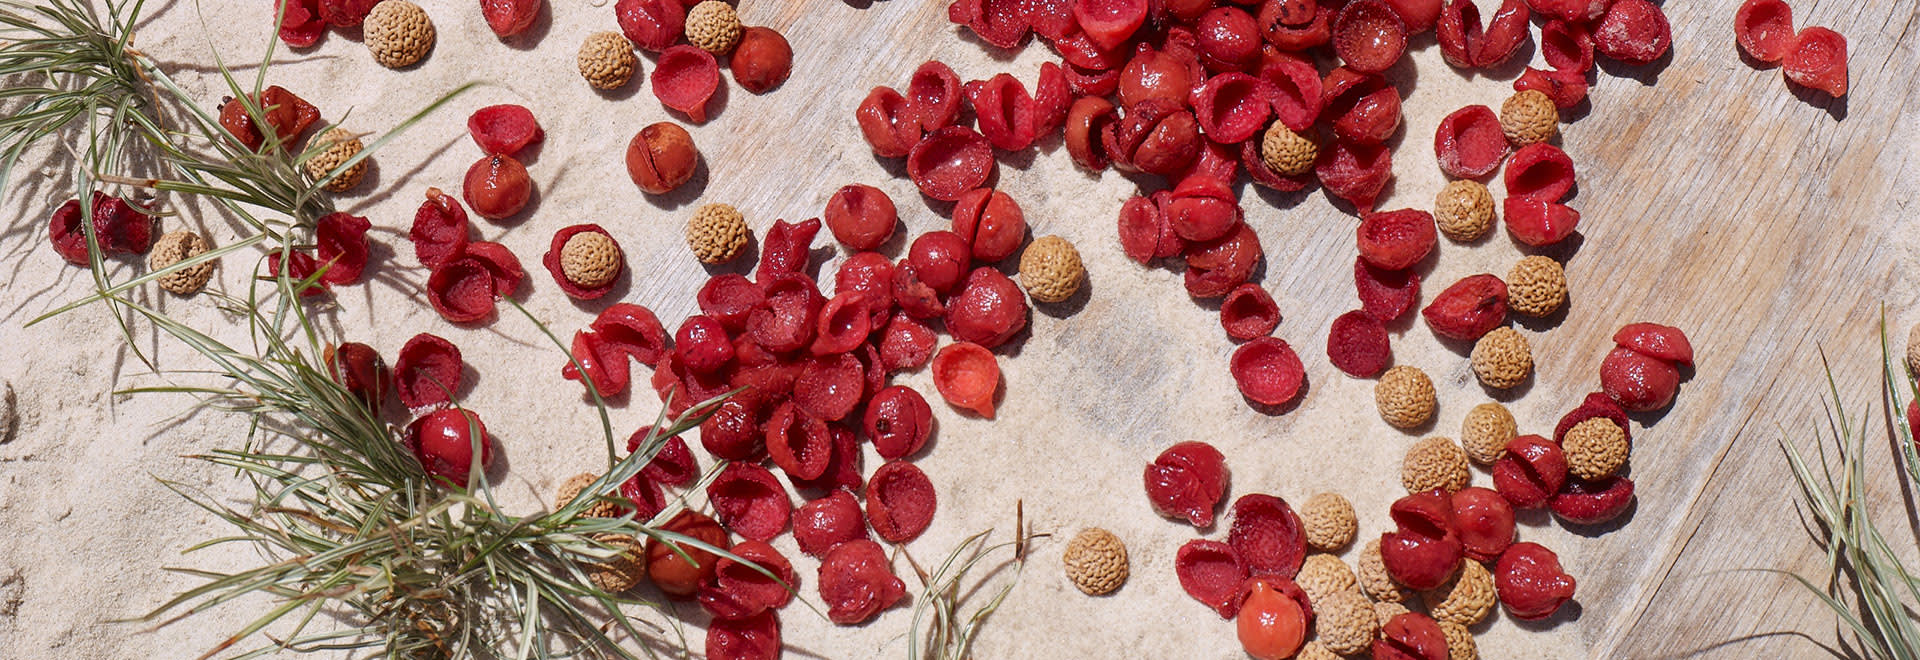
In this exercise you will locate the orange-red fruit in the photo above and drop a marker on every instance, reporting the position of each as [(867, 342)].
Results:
[(1271, 625)]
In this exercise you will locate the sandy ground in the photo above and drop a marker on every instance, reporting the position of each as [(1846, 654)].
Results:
[(1093, 391)]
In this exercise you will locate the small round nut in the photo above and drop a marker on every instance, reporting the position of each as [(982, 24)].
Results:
[(398, 32), (717, 233), (1913, 350), (174, 248), (1595, 448), (1287, 153), (1435, 463), (1384, 611), (1374, 579), (714, 27), (1345, 622), (607, 61), (1537, 286), (1459, 642), (1463, 210), (1051, 269), (1502, 359), (1096, 561), (1529, 117), (1467, 598), (621, 572), (571, 488), (1315, 650), (590, 259), (1323, 575), (340, 145), (1486, 431), (1329, 521), (1405, 397)]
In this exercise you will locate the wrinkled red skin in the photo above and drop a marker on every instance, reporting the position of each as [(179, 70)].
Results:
[(1267, 371), (1637, 381), (684, 78), (729, 298), (1423, 553), (1186, 482), (1216, 267), (823, 523), (1261, 174), (1085, 82), (1597, 404), (652, 25), (856, 582), (1158, 74), (605, 368), (1530, 472), (288, 114), (1368, 36), (1410, 636), (988, 310), (843, 324), (504, 129), (1051, 19), (1248, 312), (1281, 24), (1764, 30), (1818, 60), (1155, 137), (1358, 345), (900, 502), (703, 345), (1355, 172), (869, 274), (1465, 44), (843, 464), (1484, 522), (1385, 295), (673, 465), (679, 569), (1108, 23), (1566, 88), (968, 377), (829, 387), (361, 372), (68, 238), (762, 61), (898, 422), (950, 161), (301, 24), (1077, 50), (1232, 107), (1470, 143), (1202, 209), (786, 322), (634, 330), (1584, 502), (785, 248), (888, 123), (1004, 111), (462, 290), (754, 637), (1566, 46), (1657, 341), (1530, 582), (1362, 107), (552, 261), (1396, 240), (443, 441), (748, 500), (680, 388), (1472, 307), (346, 13), (341, 242), (798, 442), (915, 298), (906, 344), (1086, 119), (1211, 573), (1143, 230), (123, 228), (939, 259), (427, 371), (1229, 39), (1417, 15), (1571, 11), (1538, 222), (1267, 536), (861, 216), (991, 222), (645, 497), (732, 433), (1216, 162), (933, 96), (1634, 32)]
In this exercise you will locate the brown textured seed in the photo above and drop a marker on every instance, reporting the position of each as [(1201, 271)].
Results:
[(1459, 642), (398, 32), (1096, 561), (1374, 579), (1315, 650), (1595, 448), (1463, 210), (1329, 521), (590, 259), (1051, 269), (714, 27), (1502, 359), (1286, 152), (1529, 117), (1486, 431), (1435, 463), (607, 61), (622, 571), (174, 248), (717, 233), (571, 488), (1345, 622), (339, 146), (1537, 286), (1322, 575), (1405, 397), (1466, 599)]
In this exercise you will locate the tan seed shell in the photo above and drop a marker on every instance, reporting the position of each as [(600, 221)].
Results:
[(1405, 397), (571, 488), (174, 248), (1287, 153), (1459, 642), (713, 26), (1314, 650), (590, 259), (1346, 622), (1529, 117), (1537, 286), (1323, 575), (1467, 598), (1096, 561), (1329, 521), (341, 145), (398, 32), (717, 233), (1486, 431), (1463, 210), (1051, 269), (1374, 579), (1502, 359), (607, 61), (1435, 463), (1595, 448), (623, 571)]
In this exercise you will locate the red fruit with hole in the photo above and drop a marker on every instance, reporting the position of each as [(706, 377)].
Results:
[(605, 367), (1249, 312), (1271, 625), (652, 25), (501, 264), (1355, 173), (748, 500), (1228, 39), (1358, 345), (869, 274), (1004, 111), (762, 60), (552, 261), (1186, 482), (856, 582), (361, 372), (898, 422), (672, 465), (1361, 106), (1385, 295), (301, 22), (786, 322), (1211, 573), (733, 432), (933, 96), (301, 267), (1656, 341), (1541, 172), (1597, 404), (888, 123), (844, 324), (1084, 82), (680, 388), (633, 330), (1267, 536), (440, 228), (740, 589), (991, 223), (427, 371), (1396, 240), (1566, 46), (1818, 60), (1538, 222), (1215, 268), (861, 216), (125, 228), (504, 129), (1417, 15), (1267, 371), (1086, 118), (286, 113), (1484, 522), (462, 290), (967, 377), (1634, 32), (821, 524), (900, 502), (1051, 19), (1637, 381), (497, 187), (906, 344), (446, 441), (1566, 88), (786, 248), (1001, 23), (950, 161), (830, 386), (703, 345), (1109, 23), (914, 296), (1764, 29), (1201, 209), (346, 13), (798, 442), (728, 298), (1530, 472), (1530, 582), (1410, 636), (1424, 551), (1368, 36), (988, 310), (69, 239), (1584, 502), (1470, 143), (1472, 307), (679, 568), (843, 468), (684, 78)]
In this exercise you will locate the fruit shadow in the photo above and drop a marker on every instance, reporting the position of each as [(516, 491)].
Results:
[(383, 190), (1835, 107), (1599, 529), (685, 193), (1511, 394), (1281, 409), (1646, 74), (1072, 305), (531, 37), (1569, 612)]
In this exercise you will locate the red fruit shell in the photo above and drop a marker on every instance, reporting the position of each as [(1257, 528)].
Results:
[(68, 236), (786, 322), (552, 262), (1077, 50), (933, 96), (1227, 39), (652, 25), (762, 61), (1530, 472), (1086, 119), (1001, 23), (1215, 268), (1004, 111), (1186, 482), (740, 590), (300, 23), (1483, 520), (1656, 341), (786, 248), (1052, 19), (1417, 15), (287, 113), (1566, 46), (750, 501), (439, 230), (843, 467), (684, 79), (1249, 312), (501, 264), (1584, 502), (1211, 573), (898, 422), (702, 345), (1410, 636), (1109, 23), (728, 298), (940, 259), (605, 367), (1634, 32), (462, 290), (1470, 143), (681, 387), (967, 377), (869, 274), (1566, 88), (1465, 44), (299, 272), (991, 223), (914, 296), (798, 442), (510, 17), (1261, 174), (504, 129), (346, 13), (1169, 75), (1572, 11), (888, 123), (1203, 208), (856, 581), (1530, 582), (752, 638), (1637, 381), (823, 523), (1537, 222), (1385, 295), (443, 441), (427, 371), (950, 161), (900, 502), (1143, 229), (121, 227), (1051, 97), (1818, 60), (989, 309), (1294, 33), (1294, 90), (1355, 173), (861, 216), (1396, 240), (672, 465), (1085, 82), (843, 325), (1267, 371), (1472, 307), (1541, 172), (829, 387), (1368, 36), (1358, 345), (906, 344), (1362, 107), (1232, 107), (1764, 30), (1267, 536), (633, 330), (1424, 552), (733, 432)]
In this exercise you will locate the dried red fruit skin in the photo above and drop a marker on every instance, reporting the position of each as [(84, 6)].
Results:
[(1530, 582), (997, 22), (1571, 11), (1362, 107), (1410, 636), (703, 345), (1597, 404), (497, 187), (504, 129), (1211, 573), (1538, 222), (1295, 90), (785, 248), (1656, 341), (68, 237), (1202, 209), (914, 296), (933, 96), (798, 442), (1764, 30), (1358, 345), (1470, 143), (361, 372), (1186, 482), (823, 523), (1228, 38), (733, 432), (1532, 470), (680, 388), (1051, 97), (1267, 536), (1424, 551), (940, 259), (1385, 295), (829, 387), (786, 322), (427, 371), (678, 568), (906, 344), (739, 590), (1004, 111), (856, 581), (1472, 307), (1155, 137), (1637, 381), (950, 161), (1396, 240), (1109, 23), (988, 310), (287, 113), (672, 465), (1296, 26), (633, 330), (301, 24), (1369, 36), (748, 500), (346, 13), (843, 325), (552, 261), (869, 274), (1261, 174), (1634, 32), (1584, 502), (1141, 229), (444, 440), (900, 502), (652, 25), (729, 298), (461, 290), (898, 422), (887, 123), (1248, 312), (1086, 118), (967, 377), (119, 226), (1818, 60), (1267, 371), (1566, 88), (606, 369), (1232, 107), (1215, 268), (510, 17), (1566, 46), (991, 222), (1483, 520), (755, 637), (684, 78), (439, 230), (1355, 173), (861, 216), (762, 60), (1085, 82), (1504, 35)]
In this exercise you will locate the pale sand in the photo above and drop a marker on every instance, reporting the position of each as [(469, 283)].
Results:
[(1091, 395)]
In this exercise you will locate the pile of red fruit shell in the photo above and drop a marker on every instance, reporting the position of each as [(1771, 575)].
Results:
[(119, 227), (685, 74), (304, 22), (1813, 57), (468, 276)]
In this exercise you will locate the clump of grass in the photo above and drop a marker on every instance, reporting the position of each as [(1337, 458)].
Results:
[(941, 629)]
